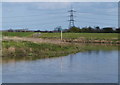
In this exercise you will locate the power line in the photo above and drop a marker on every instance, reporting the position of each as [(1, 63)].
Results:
[(55, 19), (22, 16), (85, 21), (60, 12), (30, 21), (94, 22), (71, 20), (40, 24), (98, 14), (97, 18)]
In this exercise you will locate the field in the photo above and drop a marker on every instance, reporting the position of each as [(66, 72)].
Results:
[(18, 34), (111, 38), (65, 35), (81, 35)]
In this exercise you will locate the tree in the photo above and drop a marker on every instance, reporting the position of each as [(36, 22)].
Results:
[(107, 30), (118, 30), (90, 29), (97, 29), (74, 29), (87, 29)]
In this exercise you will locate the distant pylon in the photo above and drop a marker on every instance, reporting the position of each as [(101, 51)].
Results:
[(71, 18)]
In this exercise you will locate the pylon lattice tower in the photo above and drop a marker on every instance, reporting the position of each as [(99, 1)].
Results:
[(71, 18)]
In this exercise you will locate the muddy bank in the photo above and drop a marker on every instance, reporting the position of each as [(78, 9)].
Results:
[(92, 41)]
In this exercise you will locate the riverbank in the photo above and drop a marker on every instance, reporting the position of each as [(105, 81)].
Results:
[(26, 50), (30, 50), (28, 47)]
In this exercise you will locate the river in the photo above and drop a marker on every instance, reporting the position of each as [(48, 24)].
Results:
[(85, 67)]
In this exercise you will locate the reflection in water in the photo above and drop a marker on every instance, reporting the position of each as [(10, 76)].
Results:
[(97, 52), (61, 64), (85, 67), (71, 61)]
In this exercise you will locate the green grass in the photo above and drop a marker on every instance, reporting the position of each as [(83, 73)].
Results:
[(24, 50), (72, 37), (18, 34), (0, 34), (28, 50), (96, 36)]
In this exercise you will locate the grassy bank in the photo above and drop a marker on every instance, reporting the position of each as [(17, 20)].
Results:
[(18, 34), (24, 50), (30, 50)]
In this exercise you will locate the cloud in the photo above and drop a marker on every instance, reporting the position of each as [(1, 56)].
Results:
[(55, 5), (56, 13), (109, 8)]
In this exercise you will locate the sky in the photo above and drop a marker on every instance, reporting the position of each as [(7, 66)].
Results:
[(48, 15)]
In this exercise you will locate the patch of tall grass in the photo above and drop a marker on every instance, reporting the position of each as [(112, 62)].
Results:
[(32, 51)]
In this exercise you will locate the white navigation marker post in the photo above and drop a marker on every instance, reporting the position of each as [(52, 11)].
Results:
[(61, 32)]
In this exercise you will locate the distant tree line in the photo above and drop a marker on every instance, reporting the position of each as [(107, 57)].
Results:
[(74, 30), (93, 30)]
